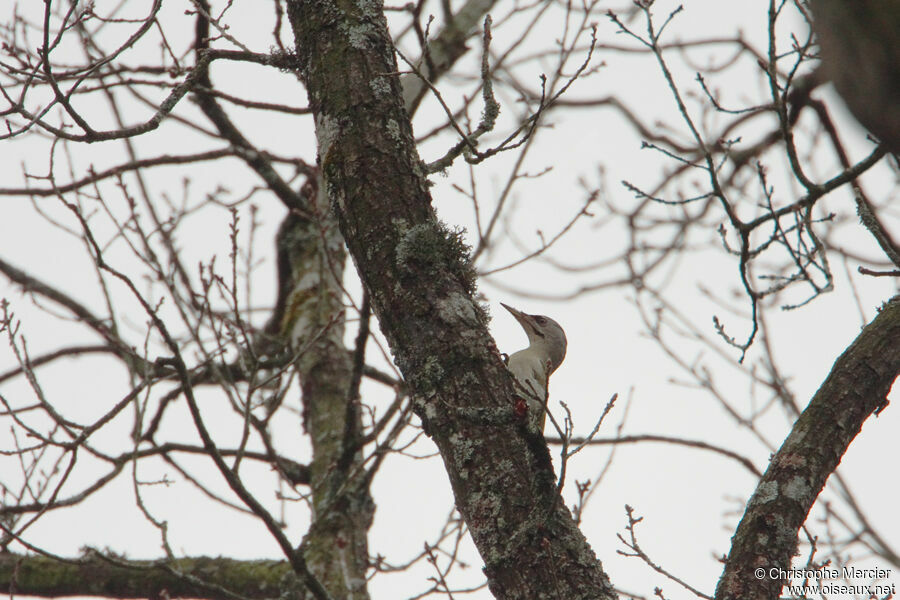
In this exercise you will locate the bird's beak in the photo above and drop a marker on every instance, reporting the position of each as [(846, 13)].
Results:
[(521, 317)]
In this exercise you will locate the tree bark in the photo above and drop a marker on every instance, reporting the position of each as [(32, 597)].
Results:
[(766, 538), (309, 319), (336, 546), (96, 576), (421, 285)]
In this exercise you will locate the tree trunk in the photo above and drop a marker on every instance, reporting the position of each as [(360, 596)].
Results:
[(421, 285), (312, 250)]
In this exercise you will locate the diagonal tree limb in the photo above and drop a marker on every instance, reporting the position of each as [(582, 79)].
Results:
[(421, 285), (856, 387)]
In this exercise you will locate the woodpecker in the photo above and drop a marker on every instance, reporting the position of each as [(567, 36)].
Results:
[(533, 366)]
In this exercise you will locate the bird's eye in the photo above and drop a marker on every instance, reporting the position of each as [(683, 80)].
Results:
[(541, 320)]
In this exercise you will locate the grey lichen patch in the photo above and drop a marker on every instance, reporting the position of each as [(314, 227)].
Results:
[(429, 410), (488, 503), (381, 87), (469, 379), (416, 244), (457, 308), (393, 130), (358, 35), (463, 448), (429, 376), (400, 224), (505, 466), (797, 489), (327, 130), (369, 8), (765, 493), (420, 170), (426, 249)]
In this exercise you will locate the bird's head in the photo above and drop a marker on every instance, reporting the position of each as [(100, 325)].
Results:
[(542, 332)]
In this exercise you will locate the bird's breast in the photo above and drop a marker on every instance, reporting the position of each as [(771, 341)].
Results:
[(530, 370)]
